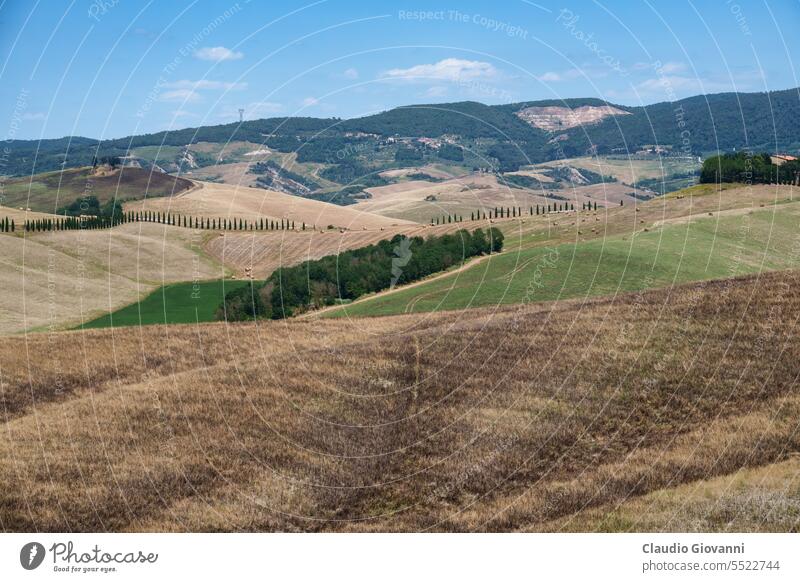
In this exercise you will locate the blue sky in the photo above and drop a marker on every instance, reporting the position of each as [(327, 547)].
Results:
[(110, 68)]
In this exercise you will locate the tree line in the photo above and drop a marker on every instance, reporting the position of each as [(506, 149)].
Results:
[(748, 168), (351, 274), (512, 212), (94, 222)]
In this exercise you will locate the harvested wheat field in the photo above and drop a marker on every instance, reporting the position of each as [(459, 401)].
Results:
[(229, 201), (514, 419), (60, 278), (419, 200), (20, 215), (260, 253)]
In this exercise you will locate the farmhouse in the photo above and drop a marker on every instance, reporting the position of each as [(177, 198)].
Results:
[(780, 159)]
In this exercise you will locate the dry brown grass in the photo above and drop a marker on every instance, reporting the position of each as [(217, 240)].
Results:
[(54, 279), (510, 419), (263, 252), (232, 201), (420, 200)]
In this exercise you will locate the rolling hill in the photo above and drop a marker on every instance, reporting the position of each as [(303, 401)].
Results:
[(489, 136), (709, 235), (50, 191), (516, 419)]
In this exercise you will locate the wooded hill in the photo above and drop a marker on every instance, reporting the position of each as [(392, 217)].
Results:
[(696, 125)]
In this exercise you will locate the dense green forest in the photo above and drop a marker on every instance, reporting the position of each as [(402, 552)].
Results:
[(354, 273), (748, 168)]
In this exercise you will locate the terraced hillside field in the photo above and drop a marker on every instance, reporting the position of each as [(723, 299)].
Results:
[(515, 419)]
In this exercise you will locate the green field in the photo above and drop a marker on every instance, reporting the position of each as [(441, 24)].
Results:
[(705, 248), (176, 303)]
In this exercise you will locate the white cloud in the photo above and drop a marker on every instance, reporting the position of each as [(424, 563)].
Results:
[(38, 116), (672, 67), (550, 77), (205, 84), (183, 113), (310, 101), (217, 54), (436, 91), (445, 70), (351, 74), (586, 71), (180, 95)]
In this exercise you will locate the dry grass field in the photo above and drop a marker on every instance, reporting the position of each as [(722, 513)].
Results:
[(94, 271), (230, 201), (263, 252), (628, 169), (419, 200), (522, 418), (55, 279)]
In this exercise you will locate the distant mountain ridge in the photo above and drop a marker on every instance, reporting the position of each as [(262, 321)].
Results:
[(494, 136)]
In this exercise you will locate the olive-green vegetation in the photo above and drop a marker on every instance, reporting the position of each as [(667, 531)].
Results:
[(177, 303), (354, 273), (701, 249)]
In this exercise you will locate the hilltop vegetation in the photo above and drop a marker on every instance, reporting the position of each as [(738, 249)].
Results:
[(748, 168)]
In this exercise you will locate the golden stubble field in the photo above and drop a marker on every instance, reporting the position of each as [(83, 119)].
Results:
[(233, 201), (53, 279), (526, 418), (420, 200)]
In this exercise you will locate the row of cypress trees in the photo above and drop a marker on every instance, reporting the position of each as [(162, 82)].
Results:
[(97, 222), (512, 212)]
